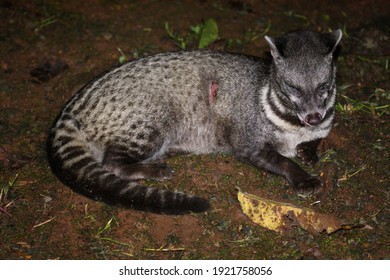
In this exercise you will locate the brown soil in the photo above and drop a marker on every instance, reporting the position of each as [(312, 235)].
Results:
[(50, 49)]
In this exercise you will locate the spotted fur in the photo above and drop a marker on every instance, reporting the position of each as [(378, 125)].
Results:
[(119, 127)]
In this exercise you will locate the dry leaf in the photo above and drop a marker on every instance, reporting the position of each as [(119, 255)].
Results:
[(281, 217)]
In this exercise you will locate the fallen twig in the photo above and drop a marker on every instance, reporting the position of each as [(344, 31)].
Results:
[(45, 222), (162, 249)]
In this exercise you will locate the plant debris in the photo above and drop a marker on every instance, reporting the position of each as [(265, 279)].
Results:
[(282, 217)]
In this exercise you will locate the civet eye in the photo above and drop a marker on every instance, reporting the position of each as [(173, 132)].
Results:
[(323, 88), (292, 89)]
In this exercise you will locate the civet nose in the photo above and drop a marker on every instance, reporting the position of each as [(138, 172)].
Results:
[(313, 119)]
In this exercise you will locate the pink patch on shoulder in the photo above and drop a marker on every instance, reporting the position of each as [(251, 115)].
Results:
[(213, 91)]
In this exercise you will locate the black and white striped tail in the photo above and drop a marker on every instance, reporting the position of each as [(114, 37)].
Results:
[(72, 161)]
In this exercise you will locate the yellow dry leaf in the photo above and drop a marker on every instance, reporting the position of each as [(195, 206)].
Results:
[(280, 216)]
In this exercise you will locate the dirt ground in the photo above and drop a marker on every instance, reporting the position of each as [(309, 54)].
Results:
[(50, 49)]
